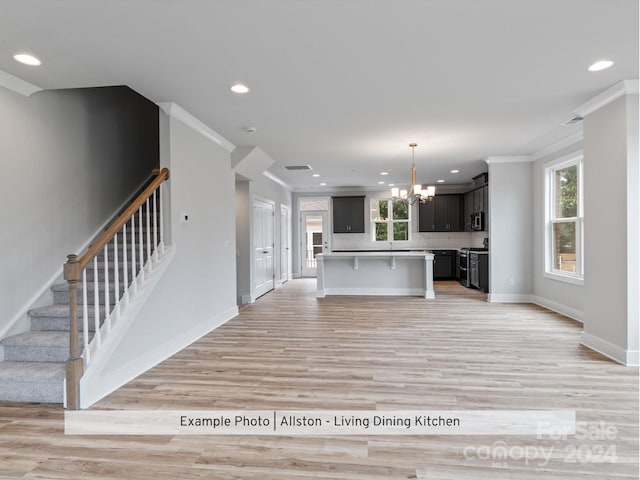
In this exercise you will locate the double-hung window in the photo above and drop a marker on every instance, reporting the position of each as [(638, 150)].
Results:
[(564, 220), (390, 220)]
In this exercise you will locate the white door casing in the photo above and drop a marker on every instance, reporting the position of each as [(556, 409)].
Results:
[(284, 243)]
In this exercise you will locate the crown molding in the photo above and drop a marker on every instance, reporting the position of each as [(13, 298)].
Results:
[(17, 84), (508, 159), (556, 147), (624, 87), (176, 111), (277, 180)]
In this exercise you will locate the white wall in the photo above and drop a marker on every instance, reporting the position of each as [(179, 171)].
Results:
[(611, 221), (71, 158), (561, 296), (511, 230), (198, 291)]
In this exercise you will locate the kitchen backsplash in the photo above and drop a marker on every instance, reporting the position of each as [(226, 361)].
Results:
[(437, 240)]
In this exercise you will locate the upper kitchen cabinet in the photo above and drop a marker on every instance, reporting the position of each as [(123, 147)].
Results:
[(442, 214), (348, 214), (477, 201)]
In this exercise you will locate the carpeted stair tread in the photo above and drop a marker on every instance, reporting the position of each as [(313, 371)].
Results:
[(32, 382), (54, 311), (31, 372), (36, 338), (64, 287)]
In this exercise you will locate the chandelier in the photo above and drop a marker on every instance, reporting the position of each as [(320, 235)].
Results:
[(415, 193)]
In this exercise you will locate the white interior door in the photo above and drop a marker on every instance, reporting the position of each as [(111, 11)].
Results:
[(315, 240), (284, 243), (263, 226)]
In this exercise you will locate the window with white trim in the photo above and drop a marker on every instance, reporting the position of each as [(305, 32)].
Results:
[(564, 220), (390, 220)]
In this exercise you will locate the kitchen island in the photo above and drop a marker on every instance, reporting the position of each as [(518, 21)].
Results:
[(375, 272)]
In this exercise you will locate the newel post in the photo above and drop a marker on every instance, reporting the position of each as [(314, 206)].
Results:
[(72, 274)]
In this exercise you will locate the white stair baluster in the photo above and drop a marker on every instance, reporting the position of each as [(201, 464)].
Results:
[(141, 243), (125, 265), (149, 262), (155, 226), (134, 277), (161, 222), (116, 278), (107, 300), (96, 301), (85, 319)]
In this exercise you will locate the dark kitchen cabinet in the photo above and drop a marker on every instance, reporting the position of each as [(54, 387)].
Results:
[(348, 214), (444, 264), (474, 202), (478, 200), (427, 216), (468, 210), (479, 270), (442, 214)]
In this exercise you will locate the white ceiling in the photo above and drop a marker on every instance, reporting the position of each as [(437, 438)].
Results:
[(343, 86)]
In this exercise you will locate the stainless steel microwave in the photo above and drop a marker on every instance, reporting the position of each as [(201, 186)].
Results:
[(477, 221)]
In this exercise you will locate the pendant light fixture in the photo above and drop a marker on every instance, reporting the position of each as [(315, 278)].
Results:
[(415, 193)]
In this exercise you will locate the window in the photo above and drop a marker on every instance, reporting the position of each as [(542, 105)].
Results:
[(390, 220), (564, 225)]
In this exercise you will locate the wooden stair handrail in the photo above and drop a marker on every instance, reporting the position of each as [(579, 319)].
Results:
[(74, 272)]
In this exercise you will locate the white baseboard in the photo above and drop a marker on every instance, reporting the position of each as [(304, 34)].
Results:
[(508, 298), (573, 313), (614, 352), (296, 275)]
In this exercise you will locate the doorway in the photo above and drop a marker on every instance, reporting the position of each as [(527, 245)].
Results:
[(263, 226), (314, 240)]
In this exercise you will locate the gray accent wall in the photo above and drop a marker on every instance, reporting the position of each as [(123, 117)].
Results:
[(71, 159)]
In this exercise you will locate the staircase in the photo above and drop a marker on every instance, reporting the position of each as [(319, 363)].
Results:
[(34, 369), (35, 362)]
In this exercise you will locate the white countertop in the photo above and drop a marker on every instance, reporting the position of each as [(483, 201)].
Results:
[(389, 253)]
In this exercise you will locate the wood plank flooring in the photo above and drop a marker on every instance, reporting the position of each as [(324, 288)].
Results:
[(292, 351)]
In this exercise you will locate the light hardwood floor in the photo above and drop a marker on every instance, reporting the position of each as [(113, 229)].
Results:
[(291, 351)]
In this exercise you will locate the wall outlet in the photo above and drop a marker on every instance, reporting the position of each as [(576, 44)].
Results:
[(184, 218), (511, 282)]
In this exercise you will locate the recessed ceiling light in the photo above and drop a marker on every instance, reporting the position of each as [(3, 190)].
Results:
[(316, 175), (600, 65), (455, 171), (323, 184), (392, 184), (239, 88), (380, 183), (384, 173), (27, 59), (440, 181)]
